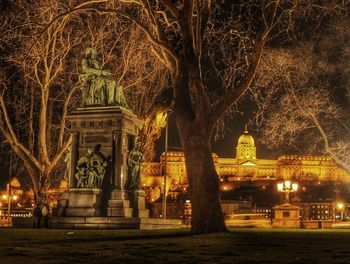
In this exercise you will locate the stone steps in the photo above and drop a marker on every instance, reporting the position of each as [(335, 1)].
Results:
[(113, 223), (118, 203), (119, 212)]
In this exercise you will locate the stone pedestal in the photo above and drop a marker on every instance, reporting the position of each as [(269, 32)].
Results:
[(286, 216), (140, 205), (111, 132), (84, 202)]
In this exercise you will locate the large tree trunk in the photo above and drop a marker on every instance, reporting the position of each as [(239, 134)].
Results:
[(195, 134), (207, 216)]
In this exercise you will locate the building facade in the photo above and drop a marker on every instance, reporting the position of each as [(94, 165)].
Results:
[(242, 168)]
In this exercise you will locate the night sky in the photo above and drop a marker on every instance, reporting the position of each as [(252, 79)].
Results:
[(224, 147)]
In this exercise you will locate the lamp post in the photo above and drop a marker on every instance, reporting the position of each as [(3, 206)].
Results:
[(7, 198), (9, 188), (338, 207), (162, 119), (287, 187)]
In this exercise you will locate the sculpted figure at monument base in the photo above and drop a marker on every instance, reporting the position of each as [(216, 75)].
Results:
[(135, 160), (91, 170)]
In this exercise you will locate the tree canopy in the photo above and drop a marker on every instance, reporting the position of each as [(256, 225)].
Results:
[(209, 53)]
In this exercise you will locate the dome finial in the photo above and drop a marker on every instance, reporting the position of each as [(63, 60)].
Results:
[(246, 129)]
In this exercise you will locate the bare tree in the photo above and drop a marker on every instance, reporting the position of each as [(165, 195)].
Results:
[(307, 108), (28, 117), (39, 84), (211, 50)]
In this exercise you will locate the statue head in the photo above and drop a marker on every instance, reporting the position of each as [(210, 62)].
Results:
[(90, 151), (138, 145), (91, 51)]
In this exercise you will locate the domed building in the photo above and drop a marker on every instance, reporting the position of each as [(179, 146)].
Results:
[(245, 167), (246, 147)]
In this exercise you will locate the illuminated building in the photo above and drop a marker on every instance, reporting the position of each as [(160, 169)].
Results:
[(244, 167), (25, 199)]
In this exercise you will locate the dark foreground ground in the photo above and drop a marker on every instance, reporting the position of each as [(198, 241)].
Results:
[(27, 246)]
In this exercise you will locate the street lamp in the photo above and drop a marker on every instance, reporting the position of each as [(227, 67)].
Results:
[(287, 187), (9, 188), (339, 206), (7, 198)]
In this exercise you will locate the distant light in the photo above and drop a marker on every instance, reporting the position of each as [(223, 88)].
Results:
[(15, 197), (287, 184), (280, 186), (4, 197), (294, 186), (340, 206), (161, 119), (188, 201)]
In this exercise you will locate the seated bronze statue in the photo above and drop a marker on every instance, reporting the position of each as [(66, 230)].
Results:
[(98, 87)]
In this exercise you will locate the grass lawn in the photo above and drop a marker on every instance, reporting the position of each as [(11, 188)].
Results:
[(28, 246)]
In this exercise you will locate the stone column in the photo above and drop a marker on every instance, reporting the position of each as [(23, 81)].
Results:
[(74, 159), (124, 158), (117, 181)]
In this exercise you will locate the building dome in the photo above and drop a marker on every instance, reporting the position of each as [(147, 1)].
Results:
[(246, 146), (15, 183), (246, 139)]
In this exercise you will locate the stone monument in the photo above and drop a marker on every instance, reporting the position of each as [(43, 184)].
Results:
[(103, 164), (104, 161), (286, 216)]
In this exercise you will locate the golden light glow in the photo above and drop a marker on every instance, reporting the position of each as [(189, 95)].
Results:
[(14, 197), (287, 184), (340, 206), (280, 186), (294, 186), (4, 197), (161, 119)]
